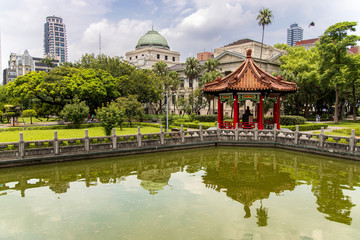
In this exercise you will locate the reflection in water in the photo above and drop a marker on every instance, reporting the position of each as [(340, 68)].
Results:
[(242, 174)]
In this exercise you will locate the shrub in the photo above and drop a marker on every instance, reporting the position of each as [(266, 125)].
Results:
[(307, 127), (75, 113), (29, 113), (110, 117), (170, 120), (288, 120), (206, 118)]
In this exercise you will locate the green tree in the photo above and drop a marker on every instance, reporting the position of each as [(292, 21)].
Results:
[(49, 62), (207, 77), (110, 117), (75, 112), (113, 65), (29, 113), (282, 46), (192, 68), (264, 19), (333, 47), (302, 66), (170, 80), (211, 65), (63, 84), (132, 108), (352, 75)]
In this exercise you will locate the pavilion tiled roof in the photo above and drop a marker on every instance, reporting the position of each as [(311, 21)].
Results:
[(249, 77)]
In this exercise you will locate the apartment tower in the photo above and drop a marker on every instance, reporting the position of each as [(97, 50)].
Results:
[(294, 33), (55, 43)]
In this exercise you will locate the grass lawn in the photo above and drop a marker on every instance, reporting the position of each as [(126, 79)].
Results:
[(346, 123), (30, 135)]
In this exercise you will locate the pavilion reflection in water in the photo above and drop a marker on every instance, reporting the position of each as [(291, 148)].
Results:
[(243, 175)]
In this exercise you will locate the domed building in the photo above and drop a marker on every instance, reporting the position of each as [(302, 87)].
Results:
[(151, 48)]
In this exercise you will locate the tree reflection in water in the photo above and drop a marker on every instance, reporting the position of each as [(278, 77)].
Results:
[(245, 175)]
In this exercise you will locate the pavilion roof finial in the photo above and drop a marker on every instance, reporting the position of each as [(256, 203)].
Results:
[(248, 53)]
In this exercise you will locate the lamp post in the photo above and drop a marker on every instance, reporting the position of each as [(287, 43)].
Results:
[(167, 109)]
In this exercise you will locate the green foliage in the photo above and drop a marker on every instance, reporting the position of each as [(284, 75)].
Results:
[(333, 47), (110, 117), (282, 46), (61, 85), (206, 118), (29, 113), (194, 125), (192, 68), (289, 119), (211, 65), (307, 127), (132, 108), (75, 112), (170, 119)]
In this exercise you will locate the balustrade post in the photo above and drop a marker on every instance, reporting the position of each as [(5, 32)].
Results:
[(218, 131), (138, 137), (162, 136), (21, 145), (114, 139), (352, 141), (182, 134), (275, 131), (296, 135), (321, 137), (256, 132), (237, 132), (87, 141), (56, 144), (201, 133)]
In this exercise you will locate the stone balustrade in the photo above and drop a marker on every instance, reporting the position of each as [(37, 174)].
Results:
[(348, 147)]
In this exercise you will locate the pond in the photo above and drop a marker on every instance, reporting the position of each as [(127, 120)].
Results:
[(208, 193)]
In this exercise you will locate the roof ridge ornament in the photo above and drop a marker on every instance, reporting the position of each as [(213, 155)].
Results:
[(248, 53)]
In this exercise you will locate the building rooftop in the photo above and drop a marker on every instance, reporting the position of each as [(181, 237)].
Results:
[(152, 39)]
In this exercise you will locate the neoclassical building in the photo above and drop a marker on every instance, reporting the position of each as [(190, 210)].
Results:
[(151, 48)]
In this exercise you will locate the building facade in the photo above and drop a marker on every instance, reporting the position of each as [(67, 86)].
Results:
[(151, 48), (21, 64), (294, 33), (205, 55), (55, 41), (307, 43)]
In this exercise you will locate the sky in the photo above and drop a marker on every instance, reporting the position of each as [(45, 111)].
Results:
[(190, 26)]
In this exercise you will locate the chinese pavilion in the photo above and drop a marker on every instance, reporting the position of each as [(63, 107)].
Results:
[(249, 82)]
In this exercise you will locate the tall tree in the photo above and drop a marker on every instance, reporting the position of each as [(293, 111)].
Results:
[(192, 71), (264, 19), (333, 47), (192, 68), (352, 76), (211, 65)]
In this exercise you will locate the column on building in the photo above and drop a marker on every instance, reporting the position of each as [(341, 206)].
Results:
[(277, 112)]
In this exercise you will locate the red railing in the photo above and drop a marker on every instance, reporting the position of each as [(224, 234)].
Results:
[(244, 125), (226, 125), (247, 125)]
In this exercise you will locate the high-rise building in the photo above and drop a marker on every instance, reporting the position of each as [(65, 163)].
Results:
[(55, 43), (294, 33)]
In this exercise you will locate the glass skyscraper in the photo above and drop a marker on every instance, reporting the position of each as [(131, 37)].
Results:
[(55, 43), (294, 33)]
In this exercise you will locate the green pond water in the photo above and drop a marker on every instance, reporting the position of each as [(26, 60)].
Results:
[(209, 193)]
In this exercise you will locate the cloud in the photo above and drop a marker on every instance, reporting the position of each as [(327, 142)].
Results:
[(116, 38)]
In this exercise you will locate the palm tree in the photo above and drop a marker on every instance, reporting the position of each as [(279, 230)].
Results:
[(192, 71), (211, 65), (264, 18)]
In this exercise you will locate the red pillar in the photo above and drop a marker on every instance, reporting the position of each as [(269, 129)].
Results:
[(277, 118), (236, 110), (220, 111), (260, 118)]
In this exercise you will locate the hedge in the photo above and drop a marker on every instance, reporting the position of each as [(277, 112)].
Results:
[(307, 127), (288, 119)]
